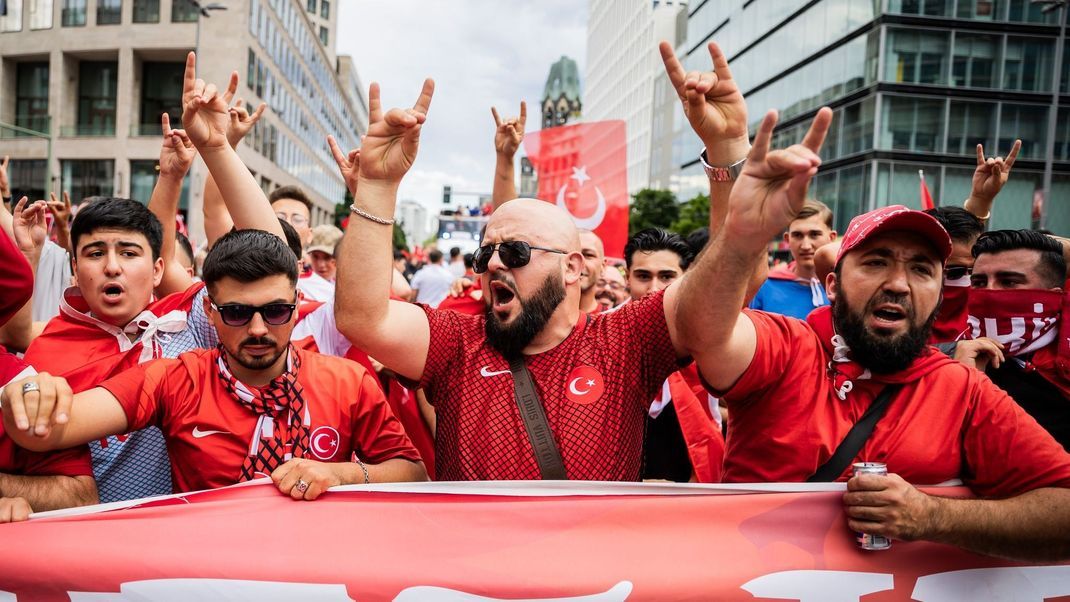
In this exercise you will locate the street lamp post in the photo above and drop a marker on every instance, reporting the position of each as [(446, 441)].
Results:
[(1053, 112), (202, 11)]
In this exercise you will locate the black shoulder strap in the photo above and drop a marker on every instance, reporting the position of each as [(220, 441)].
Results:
[(551, 466), (855, 439)]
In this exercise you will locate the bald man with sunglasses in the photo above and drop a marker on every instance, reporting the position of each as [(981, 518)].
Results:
[(255, 407)]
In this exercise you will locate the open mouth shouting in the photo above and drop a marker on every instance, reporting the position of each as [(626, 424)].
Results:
[(888, 316), (112, 293), (502, 298)]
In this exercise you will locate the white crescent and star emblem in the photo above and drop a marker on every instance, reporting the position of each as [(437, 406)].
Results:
[(572, 386), (324, 442), (595, 219), (584, 385)]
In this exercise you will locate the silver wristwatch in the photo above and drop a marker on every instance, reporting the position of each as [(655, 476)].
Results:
[(722, 174)]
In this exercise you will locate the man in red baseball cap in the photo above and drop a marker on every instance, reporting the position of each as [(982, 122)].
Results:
[(856, 382)]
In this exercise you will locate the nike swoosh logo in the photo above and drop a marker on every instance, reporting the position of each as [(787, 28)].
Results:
[(198, 433), (486, 373)]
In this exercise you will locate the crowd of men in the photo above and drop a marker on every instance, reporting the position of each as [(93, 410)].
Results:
[(308, 356)]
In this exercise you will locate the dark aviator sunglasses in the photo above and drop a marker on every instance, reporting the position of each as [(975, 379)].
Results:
[(239, 314), (513, 253)]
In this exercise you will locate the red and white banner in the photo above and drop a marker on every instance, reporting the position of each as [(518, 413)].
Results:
[(494, 541), (583, 168)]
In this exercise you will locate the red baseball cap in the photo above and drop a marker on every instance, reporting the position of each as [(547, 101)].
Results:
[(894, 217)]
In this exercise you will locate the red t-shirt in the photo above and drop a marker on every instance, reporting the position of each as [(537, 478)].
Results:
[(208, 431), (15, 460), (595, 387), (16, 278), (951, 422)]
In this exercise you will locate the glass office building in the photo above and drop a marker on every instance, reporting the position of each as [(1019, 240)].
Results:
[(914, 84)]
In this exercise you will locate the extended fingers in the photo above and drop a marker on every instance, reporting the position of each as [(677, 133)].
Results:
[(819, 128), (523, 115), (189, 79), (1013, 155), (720, 62), (375, 105), (673, 68), (232, 87), (763, 138), (980, 154), (259, 111), (497, 119), (336, 152), (165, 121), (423, 102)]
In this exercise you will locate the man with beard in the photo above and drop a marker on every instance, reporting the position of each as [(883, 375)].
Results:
[(612, 289), (256, 406), (1018, 303), (795, 389), (594, 375)]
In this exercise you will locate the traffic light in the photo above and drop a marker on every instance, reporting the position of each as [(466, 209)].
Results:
[(446, 191)]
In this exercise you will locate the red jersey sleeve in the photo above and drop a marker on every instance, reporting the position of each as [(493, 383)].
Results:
[(444, 345), (377, 434), (73, 462), (16, 278), (641, 333), (780, 340), (142, 391), (1006, 451)]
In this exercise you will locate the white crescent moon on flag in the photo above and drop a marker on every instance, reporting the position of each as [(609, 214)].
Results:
[(574, 390), (316, 444), (585, 223)]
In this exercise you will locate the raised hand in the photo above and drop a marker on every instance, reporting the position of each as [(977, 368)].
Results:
[(390, 146), (241, 120), (205, 111), (29, 226), (61, 210), (712, 103), (5, 184), (348, 165), (508, 134), (772, 188), (992, 173), (176, 153)]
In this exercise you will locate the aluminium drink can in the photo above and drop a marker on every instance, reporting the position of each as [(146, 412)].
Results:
[(865, 540)]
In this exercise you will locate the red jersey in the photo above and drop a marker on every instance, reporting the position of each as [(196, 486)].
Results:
[(595, 387), (16, 278), (946, 422), (208, 431), (15, 460)]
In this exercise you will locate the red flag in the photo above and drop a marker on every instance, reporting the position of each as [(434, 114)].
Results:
[(926, 198), (584, 169)]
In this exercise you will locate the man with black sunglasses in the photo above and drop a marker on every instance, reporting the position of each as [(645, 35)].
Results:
[(254, 407)]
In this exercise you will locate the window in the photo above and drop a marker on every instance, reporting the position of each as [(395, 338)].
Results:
[(973, 64), (311, 6), (161, 92), (857, 126), (109, 12), (1028, 122), (88, 178), (31, 96), (40, 14), (930, 8), (1031, 12), (28, 178), (970, 124), (183, 11), (73, 13), (914, 124), (146, 11), (323, 35), (916, 57), (143, 175), (12, 20), (325, 9), (1028, 64), (96, 98), (981, 10)]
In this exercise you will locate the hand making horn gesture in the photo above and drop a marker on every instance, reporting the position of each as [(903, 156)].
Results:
[(241, 120), (205, 110), (176, 152), (713, 105), (772, 188), (348, 165), (389, 148), (509, 133), (992, 173)]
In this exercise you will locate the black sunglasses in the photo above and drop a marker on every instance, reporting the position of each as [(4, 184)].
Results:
[(514, 254), (957, 272), (238, 314)]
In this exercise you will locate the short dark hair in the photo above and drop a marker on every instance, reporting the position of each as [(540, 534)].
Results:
[(248, 256), (698, 239), (454, 252), (468, 260), (293, 239), (434, 256), (290, 192), (812, 207), (185, 245), (1052, 266), (656, 239), (118, 214), (962, 225)]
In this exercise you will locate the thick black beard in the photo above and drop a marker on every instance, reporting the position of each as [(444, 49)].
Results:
[(511, 339), (881, 354)]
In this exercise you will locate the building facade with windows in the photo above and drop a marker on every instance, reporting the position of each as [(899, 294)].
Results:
[(914, 84), (94, 76)]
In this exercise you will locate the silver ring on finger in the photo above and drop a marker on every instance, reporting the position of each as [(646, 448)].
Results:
[(301, 486), (30, 386)]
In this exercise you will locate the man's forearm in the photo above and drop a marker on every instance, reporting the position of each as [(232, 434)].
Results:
[(217, 220), (365, 263), (50, 492), (979, 206), (246, 202), (1033, 526), (164, 205), (391, 471), (504, 188)]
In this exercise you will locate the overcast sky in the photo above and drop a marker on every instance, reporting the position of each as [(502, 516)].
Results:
[(481, 53)]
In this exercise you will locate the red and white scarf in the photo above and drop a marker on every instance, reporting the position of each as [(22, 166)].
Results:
[(274, 441)]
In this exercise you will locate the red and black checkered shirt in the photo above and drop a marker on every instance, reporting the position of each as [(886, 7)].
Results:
[(595, 387)]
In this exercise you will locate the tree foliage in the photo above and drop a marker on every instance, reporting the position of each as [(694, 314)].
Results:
[(694, 214), (652, 209)]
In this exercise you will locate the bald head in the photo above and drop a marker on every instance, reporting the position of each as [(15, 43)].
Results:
[(534, 221)]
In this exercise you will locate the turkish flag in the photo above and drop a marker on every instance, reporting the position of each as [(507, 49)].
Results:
[(926, 198), (583, 168)]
